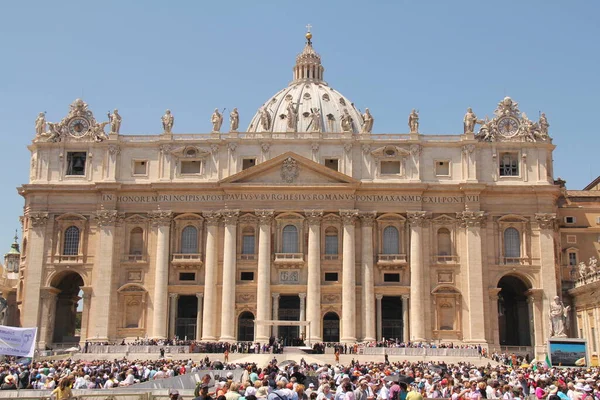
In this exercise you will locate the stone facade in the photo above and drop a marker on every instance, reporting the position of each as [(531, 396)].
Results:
[(579, 219), (364, 235)]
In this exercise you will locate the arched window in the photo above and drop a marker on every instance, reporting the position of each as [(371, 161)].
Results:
[(391, 240), (512, 243), (189, 240), (444, 242), (136, 241), (248, 241), (71, 243), (331, 240), (290, 239)]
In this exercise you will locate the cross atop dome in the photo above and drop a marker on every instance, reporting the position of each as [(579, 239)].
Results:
[(308, 34)]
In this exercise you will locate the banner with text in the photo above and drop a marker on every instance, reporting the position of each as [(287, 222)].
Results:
[(18, 342)]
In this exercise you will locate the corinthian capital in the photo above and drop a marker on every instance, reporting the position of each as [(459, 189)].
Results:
[(313, 216), (106, 217), (230, 216), (211, 217), (349, 216), (161, 218), (417, 218), (265, 217), (367, 218), (471, 218), (546, 220), (38, 218)]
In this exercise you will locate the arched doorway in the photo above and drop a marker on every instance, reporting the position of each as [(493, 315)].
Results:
[(331, 327), (67, 320), (513, 312), (245, 327), (187, 311)]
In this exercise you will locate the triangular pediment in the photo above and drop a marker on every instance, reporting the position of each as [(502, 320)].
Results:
[(290, 169)]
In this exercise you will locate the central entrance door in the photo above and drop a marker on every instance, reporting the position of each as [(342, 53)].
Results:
[(289, 310), (187, 310), (391, 317), (513, 312)]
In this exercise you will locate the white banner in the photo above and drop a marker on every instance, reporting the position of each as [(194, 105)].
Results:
[(18, 342)]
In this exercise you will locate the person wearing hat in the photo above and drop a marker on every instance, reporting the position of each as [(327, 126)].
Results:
[(203, 393), (9, 383), (174, 395)]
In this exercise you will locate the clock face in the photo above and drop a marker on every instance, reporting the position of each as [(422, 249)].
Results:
[(78, 126), (508, 126)]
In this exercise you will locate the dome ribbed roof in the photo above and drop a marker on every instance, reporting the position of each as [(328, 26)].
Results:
[(306, 101)]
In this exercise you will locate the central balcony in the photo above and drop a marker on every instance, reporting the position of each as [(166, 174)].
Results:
[(391, 260), (289, 258), (186, 260)]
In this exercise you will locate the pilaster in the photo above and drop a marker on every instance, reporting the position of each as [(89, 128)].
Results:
[(379, 297), (472, 221), (275, 316), (200, 297), (546, 223), (46, 327), (102, 287), (35, 267), (173, 297)]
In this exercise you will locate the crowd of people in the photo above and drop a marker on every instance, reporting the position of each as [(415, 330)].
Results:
[(303, 381)]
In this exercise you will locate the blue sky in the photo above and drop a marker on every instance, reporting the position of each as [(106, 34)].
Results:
[(391, 56)]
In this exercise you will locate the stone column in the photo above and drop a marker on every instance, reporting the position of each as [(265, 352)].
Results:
[(210, 277), (162, 221), (102, 284), (368, 284), (416, 220), (472, 221), (379, 297), (263, 286), (494, 337), (200, 297), (85, 314), (348, 278), (313, 284), (229, 269), (173, 297), (48, 305), (302, 313), (275, 315), (546, 224), (405, 320), (34, 270), (539, 319)]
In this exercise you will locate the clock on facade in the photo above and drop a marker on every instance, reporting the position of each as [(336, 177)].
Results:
[(78, 126), (508, 126)]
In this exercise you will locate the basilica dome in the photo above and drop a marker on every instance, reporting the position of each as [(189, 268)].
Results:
[(308, 103)]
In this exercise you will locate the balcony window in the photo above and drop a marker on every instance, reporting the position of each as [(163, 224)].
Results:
[(289, 239), (136, 241), (71, 243), (331, 241), (189, 240), (512, 243), (444, 242), (391, 240)]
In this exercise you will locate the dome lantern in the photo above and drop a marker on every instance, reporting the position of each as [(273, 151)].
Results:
[(308, 66)]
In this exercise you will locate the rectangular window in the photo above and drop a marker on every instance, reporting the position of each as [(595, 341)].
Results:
[(572, 258), (247, 276), (190, 167), (391, 277), (390, 167), (140, 167), (187, 276), (331, 244), (570, 220), (509, 164), (76, 163), (442, 168), (331, 276), (571, 239), (248, 244), (248, 163), (332, 163)]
